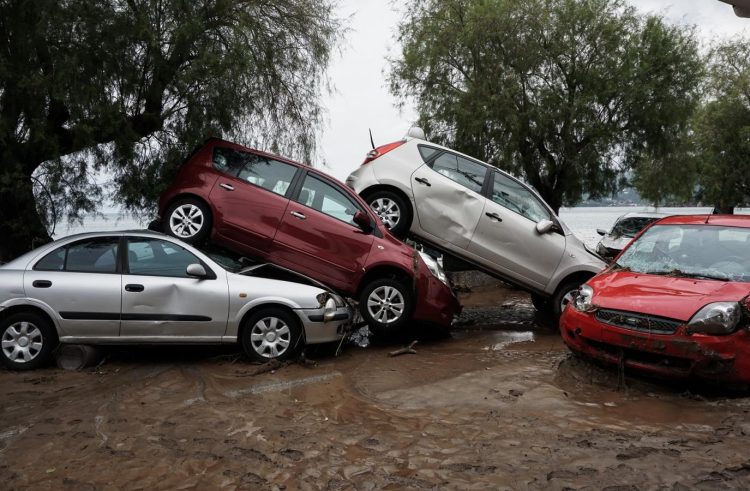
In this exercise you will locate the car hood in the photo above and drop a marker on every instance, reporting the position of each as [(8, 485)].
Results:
[(618, 242), (664, 296)]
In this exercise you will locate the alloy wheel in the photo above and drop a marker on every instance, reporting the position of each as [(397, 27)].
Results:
[(566, 299), (270, 337), (186, 221), (388, 211), (22, 342), (386, 304)]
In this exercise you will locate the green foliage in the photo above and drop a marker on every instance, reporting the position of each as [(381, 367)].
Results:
[(126, 88), (569, 94), (722, 125)]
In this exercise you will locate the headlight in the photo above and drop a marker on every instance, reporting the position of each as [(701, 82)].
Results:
[(582, 301), (329, 311), (716, 318), (434, 267)]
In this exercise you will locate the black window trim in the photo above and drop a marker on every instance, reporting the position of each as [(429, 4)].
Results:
[(114, 238), (210, 273), (299, 170)]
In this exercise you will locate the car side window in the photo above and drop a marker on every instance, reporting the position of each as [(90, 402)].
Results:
[(326, 198), (269, 174), (463, 171), (514, 196), (97, 255), (54, 261), (156, 257), (427, 152)]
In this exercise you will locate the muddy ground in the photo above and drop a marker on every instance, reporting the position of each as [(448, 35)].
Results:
[(499, 404)]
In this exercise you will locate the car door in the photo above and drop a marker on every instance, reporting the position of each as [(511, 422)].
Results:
[(81, 282), (448, 198), (160, 302), (506, 239), (250, 198), (318, 236)]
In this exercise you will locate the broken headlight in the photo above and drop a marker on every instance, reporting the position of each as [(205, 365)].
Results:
[(329, 302), (583, 299), (434, 267), (716, 318)]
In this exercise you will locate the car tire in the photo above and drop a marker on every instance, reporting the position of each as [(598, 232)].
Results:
[(386, 305), (272, 334), (541, 303), (393, 210), (27, 340), (189, 220), (562, 296)]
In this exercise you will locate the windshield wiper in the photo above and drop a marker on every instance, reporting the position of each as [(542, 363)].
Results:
[(682, 274)]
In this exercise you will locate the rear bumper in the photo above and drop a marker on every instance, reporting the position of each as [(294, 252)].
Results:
[(436, 302), (362, 178), (673, 356)]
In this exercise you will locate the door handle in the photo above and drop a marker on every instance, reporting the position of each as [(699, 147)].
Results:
[(494, 216), (422, 180), (134, 288), (298, 215), (41, 284), (226, 186)]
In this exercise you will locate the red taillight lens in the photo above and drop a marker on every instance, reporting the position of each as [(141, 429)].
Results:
[(381, 150)]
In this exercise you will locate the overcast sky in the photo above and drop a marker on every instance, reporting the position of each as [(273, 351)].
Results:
[(361, 99)]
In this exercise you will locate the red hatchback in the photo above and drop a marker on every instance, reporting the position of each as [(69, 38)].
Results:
[(290, 214), (674, 303)]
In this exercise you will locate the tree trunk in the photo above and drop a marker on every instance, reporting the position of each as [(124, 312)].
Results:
[(21, 227), (723, 209)]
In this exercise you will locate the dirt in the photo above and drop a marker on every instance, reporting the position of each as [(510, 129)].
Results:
[(497, 404)]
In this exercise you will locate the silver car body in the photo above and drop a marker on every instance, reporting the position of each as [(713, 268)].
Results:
[(97, 308), (464, 223)]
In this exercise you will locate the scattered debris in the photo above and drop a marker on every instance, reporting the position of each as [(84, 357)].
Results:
[(406, 350), (361, 337), (77, 356)]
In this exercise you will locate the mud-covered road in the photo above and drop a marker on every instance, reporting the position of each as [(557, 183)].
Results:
[(498, 405)]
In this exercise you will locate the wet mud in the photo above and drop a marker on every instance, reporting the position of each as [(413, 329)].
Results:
[(497, 404)]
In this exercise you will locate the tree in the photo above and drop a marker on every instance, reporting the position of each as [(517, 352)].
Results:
[(568, 94), (722, 134), (125, 88)]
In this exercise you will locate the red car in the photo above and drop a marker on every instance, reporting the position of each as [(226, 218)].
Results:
[(674, 303), (287, 213)]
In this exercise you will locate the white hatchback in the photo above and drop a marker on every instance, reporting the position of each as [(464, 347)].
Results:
[(477, 213)]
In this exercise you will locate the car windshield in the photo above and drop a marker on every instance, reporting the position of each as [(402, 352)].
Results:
[(629, 227), (694, 251)]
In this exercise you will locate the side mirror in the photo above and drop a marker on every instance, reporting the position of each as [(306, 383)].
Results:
[(362, 220), (196, 270), (601, 232), (544, 226)]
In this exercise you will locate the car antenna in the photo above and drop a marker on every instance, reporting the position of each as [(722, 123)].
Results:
[(372, 142)]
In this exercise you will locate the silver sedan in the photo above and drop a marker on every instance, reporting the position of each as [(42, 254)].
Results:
[(145, 287)]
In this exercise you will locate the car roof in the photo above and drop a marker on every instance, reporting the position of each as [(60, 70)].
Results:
[(718, 220)]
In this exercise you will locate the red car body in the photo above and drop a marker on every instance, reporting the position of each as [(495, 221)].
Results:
[(265, 225), (641, 320)]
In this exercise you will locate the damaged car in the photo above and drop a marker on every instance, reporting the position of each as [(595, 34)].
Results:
[(476, 213), (276, 210), (674, 304), (148, 288), (625, 228)]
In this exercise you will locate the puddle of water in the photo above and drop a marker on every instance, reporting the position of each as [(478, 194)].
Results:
[(504, 339)]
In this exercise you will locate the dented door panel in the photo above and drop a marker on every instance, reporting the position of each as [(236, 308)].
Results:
[(447, 212)]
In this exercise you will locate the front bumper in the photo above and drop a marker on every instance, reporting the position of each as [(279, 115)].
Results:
[(435, 301), (673, 356), (318, 331)]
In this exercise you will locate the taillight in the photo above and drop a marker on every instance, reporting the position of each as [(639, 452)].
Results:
[(381, 150)]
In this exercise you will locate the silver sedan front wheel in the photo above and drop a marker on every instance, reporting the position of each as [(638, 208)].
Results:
[(272, 333), (388, 211), (22, 342), (270, 337)]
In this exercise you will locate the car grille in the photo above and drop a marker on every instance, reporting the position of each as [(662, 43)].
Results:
[(638, 322)]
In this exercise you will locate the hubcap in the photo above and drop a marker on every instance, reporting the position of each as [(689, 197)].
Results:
[(22, 342), (387, 210), (270, 337), (566, 299), (186, 221), (385, 304)]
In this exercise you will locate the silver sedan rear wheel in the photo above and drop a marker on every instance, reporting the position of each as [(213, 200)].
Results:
[(22, 342), (186, 221), (388, 211)]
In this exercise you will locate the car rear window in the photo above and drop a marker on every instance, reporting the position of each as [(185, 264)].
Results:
[(263, 172), (427, 152)]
